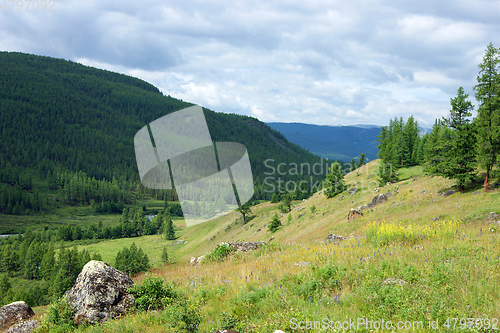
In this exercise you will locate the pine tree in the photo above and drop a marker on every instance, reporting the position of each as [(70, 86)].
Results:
[(47, 265), (352, 165), (244, 210), (334, 183), (275, 223), (487, 92), (168, 225), (164, 254), (362, 160), (459, 161)]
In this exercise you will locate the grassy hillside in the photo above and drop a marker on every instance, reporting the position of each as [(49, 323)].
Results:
[(440, 247)]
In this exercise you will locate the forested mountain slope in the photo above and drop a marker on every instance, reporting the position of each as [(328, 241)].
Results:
[(59, 119), (333, 142)]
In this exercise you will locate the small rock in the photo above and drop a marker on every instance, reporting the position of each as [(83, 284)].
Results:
[(353, 214), (302, 263), (270, 239), (436, 219), (353, 191), (476, 193), (492, 217), (370, 176), (24, 327), (13, 313), (360, 208), (378, 199), (388, 195), (448, 193), (394, 282), (180, 241), (376, 189), (334, 238)]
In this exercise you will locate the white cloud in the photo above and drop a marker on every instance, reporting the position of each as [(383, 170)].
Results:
[(324, 62)]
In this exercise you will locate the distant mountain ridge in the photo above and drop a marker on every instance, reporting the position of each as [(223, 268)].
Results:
[(332, 142)]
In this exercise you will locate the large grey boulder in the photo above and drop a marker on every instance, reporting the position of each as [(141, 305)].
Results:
[(24, 327), (13, 313), (100, 292)]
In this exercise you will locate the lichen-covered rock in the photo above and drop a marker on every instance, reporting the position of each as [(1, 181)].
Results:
[(246, 246), (334, 238), (492, 217), (378, 199), (100, 292), (394, 282), (23, 327), (13, 313)]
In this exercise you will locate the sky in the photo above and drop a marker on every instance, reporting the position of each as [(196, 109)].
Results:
[(315, 62)]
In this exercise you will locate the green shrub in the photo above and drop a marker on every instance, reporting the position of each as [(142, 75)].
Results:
[(152, 294), (58, 317), (220, 252), (227, 321), (182, 316)]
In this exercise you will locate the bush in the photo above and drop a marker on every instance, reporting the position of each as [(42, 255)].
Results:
[(152, 294), (220, 252), (58, 318), (227, 321)]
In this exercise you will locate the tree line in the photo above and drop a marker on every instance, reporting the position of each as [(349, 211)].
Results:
[(32, 256), (458, 145)]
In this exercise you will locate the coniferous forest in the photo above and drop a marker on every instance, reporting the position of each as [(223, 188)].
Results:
[(459, 146)]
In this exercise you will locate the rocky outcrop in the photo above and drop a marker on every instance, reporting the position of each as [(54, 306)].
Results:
[(24, 327), (13, 313), (492, 218), (378, 199), (246, 246), (100, 292), (353, 214), (332, 238), (448, 193)]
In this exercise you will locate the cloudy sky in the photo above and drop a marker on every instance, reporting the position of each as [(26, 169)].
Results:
[(322, 62)]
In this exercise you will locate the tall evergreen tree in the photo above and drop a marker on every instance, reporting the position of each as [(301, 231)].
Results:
[(168, 225), (361, 161), (458, 160), (487, 93), (334, 183)]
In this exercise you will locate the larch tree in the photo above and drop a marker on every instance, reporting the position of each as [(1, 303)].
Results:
[(488, 117)]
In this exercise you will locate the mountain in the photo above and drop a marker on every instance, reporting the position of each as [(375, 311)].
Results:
[(70, 128), (332, 142)]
